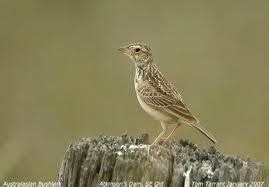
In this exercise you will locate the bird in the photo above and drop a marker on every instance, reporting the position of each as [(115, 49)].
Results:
[(157, 96)]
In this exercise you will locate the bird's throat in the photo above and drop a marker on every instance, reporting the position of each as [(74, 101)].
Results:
[(141, 72)]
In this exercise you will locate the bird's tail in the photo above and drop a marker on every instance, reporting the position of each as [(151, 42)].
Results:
[(204, 132)]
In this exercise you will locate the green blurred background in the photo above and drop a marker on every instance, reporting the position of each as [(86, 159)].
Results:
[(62, 78)]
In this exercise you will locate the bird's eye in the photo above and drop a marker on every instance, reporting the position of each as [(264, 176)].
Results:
[(137, 49)]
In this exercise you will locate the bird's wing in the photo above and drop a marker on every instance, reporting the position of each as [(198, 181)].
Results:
[(156, 91)]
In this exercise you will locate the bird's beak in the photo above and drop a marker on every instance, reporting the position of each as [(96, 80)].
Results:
[(123, 49)]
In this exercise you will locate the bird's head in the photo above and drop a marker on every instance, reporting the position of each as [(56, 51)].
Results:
[(138, 52)]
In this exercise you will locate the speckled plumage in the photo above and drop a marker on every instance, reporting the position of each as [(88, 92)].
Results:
[(156, 95)]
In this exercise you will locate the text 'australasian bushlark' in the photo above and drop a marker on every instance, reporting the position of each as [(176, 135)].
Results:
[(156, 95)]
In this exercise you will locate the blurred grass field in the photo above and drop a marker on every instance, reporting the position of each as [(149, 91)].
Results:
[(62, 78)]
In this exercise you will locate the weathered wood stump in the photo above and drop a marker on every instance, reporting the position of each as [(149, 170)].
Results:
[(128, 161)]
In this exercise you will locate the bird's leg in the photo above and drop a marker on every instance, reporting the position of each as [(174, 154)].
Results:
[(172, 132), (161, 134)]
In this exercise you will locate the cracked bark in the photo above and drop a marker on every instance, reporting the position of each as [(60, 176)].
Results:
[(95, 161)]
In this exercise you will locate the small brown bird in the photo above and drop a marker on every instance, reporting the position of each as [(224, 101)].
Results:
[(158, 97)]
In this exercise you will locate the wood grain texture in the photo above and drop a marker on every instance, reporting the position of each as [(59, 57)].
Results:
[(94, 161)]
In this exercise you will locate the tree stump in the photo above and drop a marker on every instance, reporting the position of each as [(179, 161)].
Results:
[(128, 161)]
